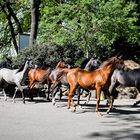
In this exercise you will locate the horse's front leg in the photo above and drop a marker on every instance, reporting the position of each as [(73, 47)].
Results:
[(71, 91), (22, 92), (98, 93), (111, 90), (111, 104), (16, 89)]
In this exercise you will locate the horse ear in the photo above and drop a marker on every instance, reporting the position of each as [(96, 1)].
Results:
[(28, 59), (119, 55), (62, 59)]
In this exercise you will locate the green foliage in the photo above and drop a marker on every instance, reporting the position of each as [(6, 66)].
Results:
[(22, 11), (89, 24), (92, 26), (50, 54)]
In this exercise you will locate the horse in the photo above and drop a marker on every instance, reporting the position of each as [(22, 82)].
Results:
[(14, 76), (60, 78), (41, 76), (98, 79), (125, 78)]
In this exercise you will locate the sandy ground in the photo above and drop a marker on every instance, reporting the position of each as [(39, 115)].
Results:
[(40, 120)]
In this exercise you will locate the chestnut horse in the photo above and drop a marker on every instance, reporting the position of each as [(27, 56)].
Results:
[(60, 77), (98, 79), (41, 76)]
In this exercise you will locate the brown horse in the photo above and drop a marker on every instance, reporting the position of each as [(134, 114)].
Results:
[(41, 76), (98, 79), (60, 78)]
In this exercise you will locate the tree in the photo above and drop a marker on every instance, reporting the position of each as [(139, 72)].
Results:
[(12, 15), (93, 25), (35, 19)]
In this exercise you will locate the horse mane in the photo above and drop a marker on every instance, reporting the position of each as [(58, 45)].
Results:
[(107, 62), (21, 68), (84, 62)]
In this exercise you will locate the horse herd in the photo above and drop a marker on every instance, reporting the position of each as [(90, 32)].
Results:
[(105, 76)]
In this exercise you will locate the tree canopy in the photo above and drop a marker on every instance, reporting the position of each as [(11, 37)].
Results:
[(97, 27)]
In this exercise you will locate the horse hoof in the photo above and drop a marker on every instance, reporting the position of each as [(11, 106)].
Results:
[(80, 106), (107, 111), (85, 103), (99, 114), (72, 110), (69, 109), (53, 103), (134, 105)]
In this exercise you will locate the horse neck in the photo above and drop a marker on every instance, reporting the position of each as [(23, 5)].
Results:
[(25, 68), (59, 65), (88, 66), (109, 69)]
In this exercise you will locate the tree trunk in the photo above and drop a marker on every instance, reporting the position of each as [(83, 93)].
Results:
[(10, 10), (34, 20), (8, 16)]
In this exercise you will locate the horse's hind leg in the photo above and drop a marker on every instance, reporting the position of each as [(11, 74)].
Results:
[(88, 98), (48, 96), (5, 96), (3, 90), (78, 90), (54, 93), (136, 103)]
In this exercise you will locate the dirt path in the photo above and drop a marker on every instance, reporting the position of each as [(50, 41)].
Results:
[(41, 120)]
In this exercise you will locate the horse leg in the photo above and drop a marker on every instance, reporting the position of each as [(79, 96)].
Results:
[(78, 93), (138, 90), (111, 104), (70, 100), (107, 95), (5, 96), (136, 103), (112, 87), (88, 98), (54, 89), (3, 90), (30, 94), (98, 93), (31, 85), (48, 96), (53, 95), (22, 92), (16, 89)]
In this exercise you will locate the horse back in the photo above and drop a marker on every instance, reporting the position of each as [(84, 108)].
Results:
[(86, 79)]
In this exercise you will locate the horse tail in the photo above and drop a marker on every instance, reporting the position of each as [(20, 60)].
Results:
[(63, 72), (46, 77)]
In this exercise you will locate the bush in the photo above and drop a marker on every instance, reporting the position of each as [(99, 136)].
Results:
[(50, 54)]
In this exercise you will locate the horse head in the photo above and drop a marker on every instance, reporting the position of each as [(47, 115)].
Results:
[(29, 62), (92, 64), (62, 64), (119, 62)]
